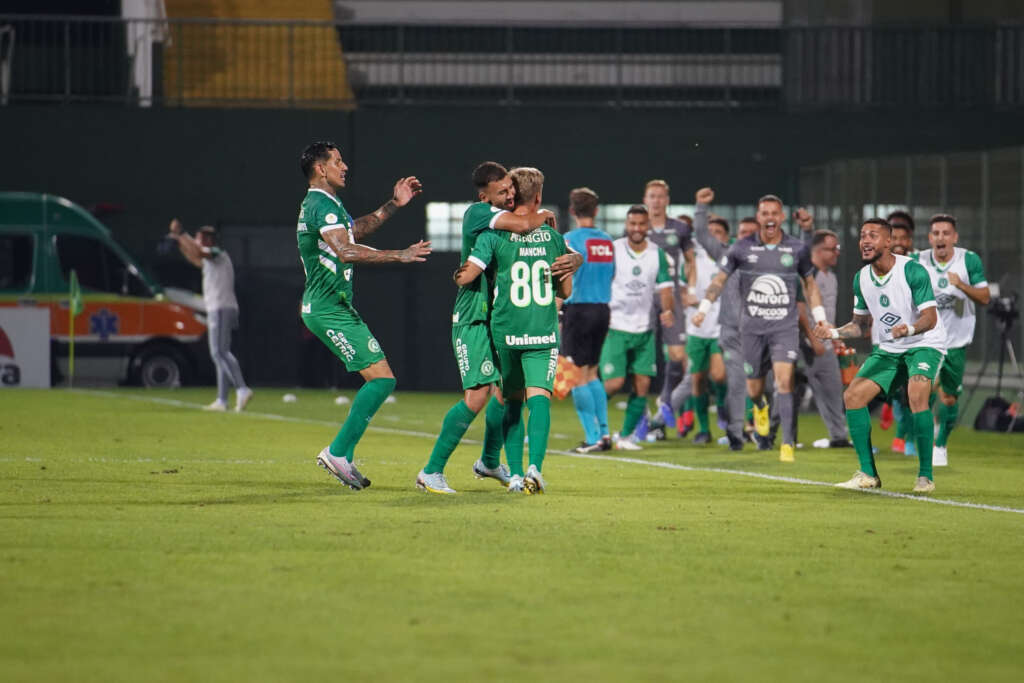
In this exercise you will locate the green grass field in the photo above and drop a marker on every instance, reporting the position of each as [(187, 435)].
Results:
[(144, 540)]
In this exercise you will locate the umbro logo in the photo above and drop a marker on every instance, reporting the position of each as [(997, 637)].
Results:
[(751, 258), (924, 366)]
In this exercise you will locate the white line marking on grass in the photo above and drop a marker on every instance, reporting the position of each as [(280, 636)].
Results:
[(583, 456)]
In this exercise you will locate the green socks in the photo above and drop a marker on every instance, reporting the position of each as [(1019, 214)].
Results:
[(859, 423), (512, 427), (702, 412), (923, 439), (721, 390), (494, 435), (538, 428), (634, 411), (367, 401), (947, 420), (453, 428)]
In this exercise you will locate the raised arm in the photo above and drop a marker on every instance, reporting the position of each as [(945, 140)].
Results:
[(350, 252), (806, 222), (187, 244), (405, 190), (715, 249)]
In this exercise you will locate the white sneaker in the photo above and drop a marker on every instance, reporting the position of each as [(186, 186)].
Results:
[(217, 406), (500, 472), (924, 485), (860, 481), (625, 444), (940, 458), (342, 470), (534, 482), (434, 483), (242, 398), (820, 443), (515, 484)]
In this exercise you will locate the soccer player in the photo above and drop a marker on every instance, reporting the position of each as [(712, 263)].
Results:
[(729, 314), (328, 246), (674, 237), (771, 267), (524, 325), (641, 269), (958, 281), (895, 292), (702, 349), (471, 336), (585, 317), (823, 374), (902, 244)]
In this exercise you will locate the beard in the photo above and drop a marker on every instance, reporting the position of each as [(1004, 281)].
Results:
[(869, 261)]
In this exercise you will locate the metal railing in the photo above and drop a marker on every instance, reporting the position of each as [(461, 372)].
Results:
[(197, 62)]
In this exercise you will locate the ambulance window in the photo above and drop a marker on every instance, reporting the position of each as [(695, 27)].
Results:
[(85, 256), (15, 262), (99, 267)]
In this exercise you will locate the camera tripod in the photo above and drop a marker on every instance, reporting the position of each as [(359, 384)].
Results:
[(1004, 319)]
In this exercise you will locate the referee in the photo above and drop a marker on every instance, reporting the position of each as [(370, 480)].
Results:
[(585, 318)]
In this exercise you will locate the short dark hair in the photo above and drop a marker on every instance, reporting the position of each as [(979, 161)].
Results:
[(820, 236), (638, 208), (313, 154), (943, 218), (906, 218), (881, 222), (686, 218), (748, 219), (720, 221), (770, 198), (487, 173), (583, 202)]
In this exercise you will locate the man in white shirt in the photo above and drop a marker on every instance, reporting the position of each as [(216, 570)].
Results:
[(221, 309)]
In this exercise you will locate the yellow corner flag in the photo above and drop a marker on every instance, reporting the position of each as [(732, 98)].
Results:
[(75, 307)]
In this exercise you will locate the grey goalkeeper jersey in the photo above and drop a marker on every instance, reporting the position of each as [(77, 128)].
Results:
[(769, 279), (728, 312)]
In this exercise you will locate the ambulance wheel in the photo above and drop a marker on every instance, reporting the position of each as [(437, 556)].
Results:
[(161, 367)]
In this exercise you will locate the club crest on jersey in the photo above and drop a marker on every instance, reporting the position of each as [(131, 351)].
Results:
[(608, 368), (786, 260), (671, 240), (637, 270), (883, 300), (768, 298), (487, 368), (943, 283), (373, 345), (331, 218)]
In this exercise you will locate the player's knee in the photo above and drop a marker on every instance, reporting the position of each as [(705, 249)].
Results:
[(851, 401)]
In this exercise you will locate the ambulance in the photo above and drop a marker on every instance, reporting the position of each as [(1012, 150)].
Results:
[(130, 331)]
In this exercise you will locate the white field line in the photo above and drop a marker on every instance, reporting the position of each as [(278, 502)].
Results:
[(584, 456)]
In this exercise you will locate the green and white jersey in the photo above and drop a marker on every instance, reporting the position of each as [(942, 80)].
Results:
[(897, 298), (472, 305), (638, 275), (955, 308), (524, 315), (328, 279), (706, 268)]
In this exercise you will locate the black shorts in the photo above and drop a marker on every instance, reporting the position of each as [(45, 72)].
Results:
[(584, 327), (777, 346)]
